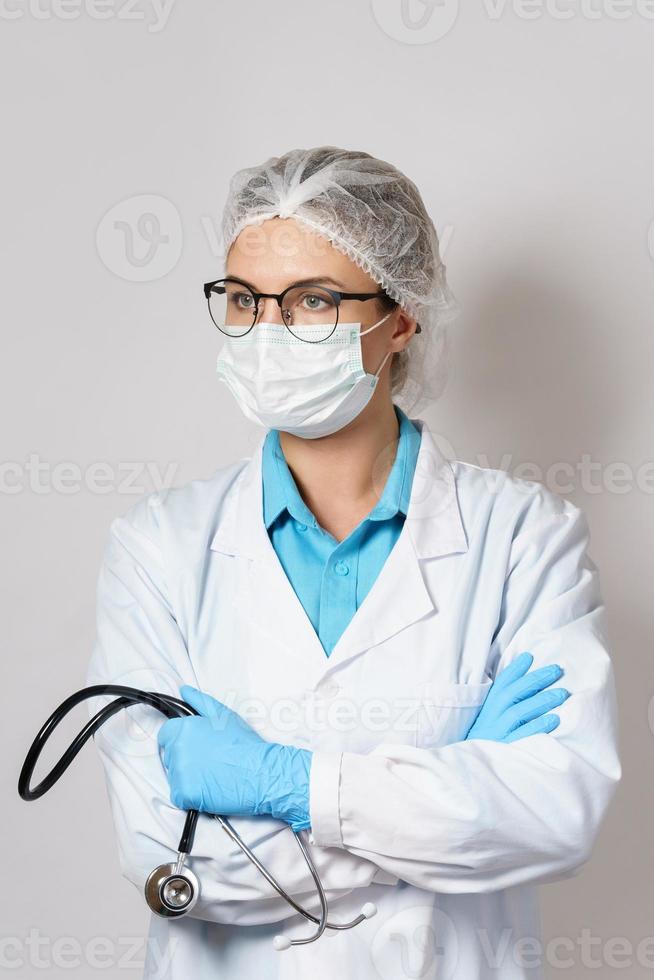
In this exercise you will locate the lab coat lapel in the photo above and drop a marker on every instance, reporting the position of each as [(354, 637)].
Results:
[(432, 529), (271, 604), (399, 596)]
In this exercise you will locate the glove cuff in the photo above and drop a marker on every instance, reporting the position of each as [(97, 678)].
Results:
[(286, 774)]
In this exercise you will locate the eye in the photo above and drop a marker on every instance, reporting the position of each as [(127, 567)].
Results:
[(244, 300), (315, 302)]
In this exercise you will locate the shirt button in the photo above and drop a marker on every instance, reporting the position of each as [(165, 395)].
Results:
[(341, 568), (302, 527)]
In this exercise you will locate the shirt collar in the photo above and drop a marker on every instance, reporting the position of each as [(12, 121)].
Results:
[(280, 489)]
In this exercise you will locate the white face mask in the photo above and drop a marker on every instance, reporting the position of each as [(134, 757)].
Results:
[(308, 389)]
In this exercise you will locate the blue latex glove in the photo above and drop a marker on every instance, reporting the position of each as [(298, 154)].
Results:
[(517, 704), (218, 763)]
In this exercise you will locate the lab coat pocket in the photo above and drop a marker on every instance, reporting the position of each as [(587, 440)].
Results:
[(448, 710)]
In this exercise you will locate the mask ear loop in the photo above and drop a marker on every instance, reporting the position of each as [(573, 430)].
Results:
[(388, 354), (379, 369), (375, 325)]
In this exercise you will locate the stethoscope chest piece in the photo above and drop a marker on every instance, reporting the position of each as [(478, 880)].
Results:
[(170, 892)]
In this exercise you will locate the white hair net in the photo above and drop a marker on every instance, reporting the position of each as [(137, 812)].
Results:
[(375, 215)]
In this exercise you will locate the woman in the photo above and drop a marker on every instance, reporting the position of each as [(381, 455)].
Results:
[(354, 618)]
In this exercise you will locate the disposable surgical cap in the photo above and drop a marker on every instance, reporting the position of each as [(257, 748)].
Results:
[(374, 214)]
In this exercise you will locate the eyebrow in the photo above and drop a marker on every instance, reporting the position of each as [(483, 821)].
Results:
[(311, 280)]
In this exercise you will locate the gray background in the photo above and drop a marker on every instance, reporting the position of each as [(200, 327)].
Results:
[(527, 128)]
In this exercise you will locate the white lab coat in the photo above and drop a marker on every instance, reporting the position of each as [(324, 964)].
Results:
[(447, 837)]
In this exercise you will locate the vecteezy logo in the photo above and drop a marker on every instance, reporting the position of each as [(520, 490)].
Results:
[(415, 21), (140, 238)]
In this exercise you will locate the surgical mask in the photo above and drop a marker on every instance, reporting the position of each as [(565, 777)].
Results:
[(307, 389)]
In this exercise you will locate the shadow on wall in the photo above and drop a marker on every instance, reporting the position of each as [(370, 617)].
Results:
[(539, 369), (547, 375)]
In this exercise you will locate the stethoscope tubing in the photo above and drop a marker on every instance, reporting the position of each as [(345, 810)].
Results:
[(168, 705), (171, 707)]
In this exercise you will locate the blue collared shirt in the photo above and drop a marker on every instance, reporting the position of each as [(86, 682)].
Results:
[(331, 578)]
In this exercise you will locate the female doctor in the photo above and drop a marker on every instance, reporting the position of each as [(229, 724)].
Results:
[(369, 631)]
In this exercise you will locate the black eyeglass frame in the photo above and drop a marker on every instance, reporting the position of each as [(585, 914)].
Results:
[(336, 294)]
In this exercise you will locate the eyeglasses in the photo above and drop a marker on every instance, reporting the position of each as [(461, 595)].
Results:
[(311, 312)]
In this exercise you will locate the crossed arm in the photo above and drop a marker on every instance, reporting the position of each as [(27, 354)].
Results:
[(477, 815)]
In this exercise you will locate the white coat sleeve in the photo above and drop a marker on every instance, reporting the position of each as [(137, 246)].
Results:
[(477, 815), (139, 644)]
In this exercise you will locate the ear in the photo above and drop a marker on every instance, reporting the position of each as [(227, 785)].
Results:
[(405, 327)]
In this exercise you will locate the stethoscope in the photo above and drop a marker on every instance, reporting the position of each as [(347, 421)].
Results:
[(172, 889)]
